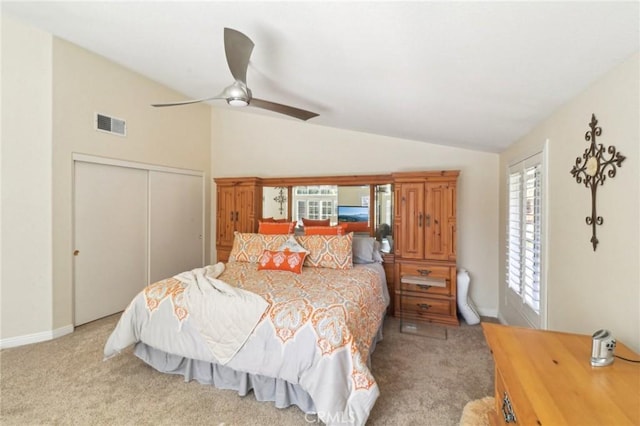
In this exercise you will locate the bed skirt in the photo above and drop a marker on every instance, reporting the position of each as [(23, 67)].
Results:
[(282, 393)]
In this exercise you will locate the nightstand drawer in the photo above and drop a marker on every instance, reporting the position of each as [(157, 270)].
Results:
[(424, 270), (425, 289), (425, 308), (437, 279)]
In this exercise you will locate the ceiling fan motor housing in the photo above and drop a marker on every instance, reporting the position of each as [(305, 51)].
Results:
[(237, 94)]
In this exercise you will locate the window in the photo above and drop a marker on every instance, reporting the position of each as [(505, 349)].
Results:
[(314, 210), (301, 210), (327, 209), (524, 239)]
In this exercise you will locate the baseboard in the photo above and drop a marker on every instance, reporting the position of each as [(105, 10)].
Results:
[(493, 313), (12, 342)]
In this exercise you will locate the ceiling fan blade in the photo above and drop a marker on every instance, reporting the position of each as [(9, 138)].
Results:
[(188, 102), (283, 109), (238, 48)]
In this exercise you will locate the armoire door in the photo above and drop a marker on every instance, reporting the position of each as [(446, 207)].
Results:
[(246, 206), (412, 221), (110, 238), (176, 223), (439, 221), (225, 220)]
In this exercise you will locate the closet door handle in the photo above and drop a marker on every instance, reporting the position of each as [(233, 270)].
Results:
[(231, 216), (428, 220), (236, 216), (420, 220)]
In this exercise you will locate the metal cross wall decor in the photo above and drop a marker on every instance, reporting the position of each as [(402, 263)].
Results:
[(594, 171), (281, 198)]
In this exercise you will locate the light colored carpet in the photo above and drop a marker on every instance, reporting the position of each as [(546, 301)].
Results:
[(476, 413), (422, 381)]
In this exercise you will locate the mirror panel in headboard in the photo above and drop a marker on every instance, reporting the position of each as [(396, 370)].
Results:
[(275, 202), (326, 196)]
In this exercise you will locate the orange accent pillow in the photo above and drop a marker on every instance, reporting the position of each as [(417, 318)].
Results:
[(355, 226), (276, 228), (281, 261), (316, 222), (324, 230)]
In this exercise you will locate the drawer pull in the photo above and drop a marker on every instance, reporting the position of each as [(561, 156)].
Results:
[(424, 271), (424, 286), (423, 306), (507, 410)]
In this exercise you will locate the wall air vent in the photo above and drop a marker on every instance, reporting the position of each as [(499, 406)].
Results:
[(113, 125)]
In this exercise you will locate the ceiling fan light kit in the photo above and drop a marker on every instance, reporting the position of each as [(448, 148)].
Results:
[(237, 102), (238, 48)]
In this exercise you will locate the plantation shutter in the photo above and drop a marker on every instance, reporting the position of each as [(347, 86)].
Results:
[(514, 235), (531, 249), (524, 233)]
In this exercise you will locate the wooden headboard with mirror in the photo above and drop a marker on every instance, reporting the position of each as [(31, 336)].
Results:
[(413, 214)]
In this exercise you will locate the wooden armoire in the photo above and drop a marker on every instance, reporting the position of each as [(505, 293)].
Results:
[(239, 207), (425, 246)]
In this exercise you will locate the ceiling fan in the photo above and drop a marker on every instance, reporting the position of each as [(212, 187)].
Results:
[(238, 48)]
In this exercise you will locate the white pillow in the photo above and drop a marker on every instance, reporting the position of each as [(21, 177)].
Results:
[(293, 245)]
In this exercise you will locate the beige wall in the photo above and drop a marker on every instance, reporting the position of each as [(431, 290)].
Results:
[(43, 139), (248, 144), (26, 283), (589, 290), (84, 84)]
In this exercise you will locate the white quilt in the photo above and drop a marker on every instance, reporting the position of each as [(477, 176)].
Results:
[(223, 314), (316, 332)]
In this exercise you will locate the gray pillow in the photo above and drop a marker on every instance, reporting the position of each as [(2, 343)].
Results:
[(376, 252), (364, 250)]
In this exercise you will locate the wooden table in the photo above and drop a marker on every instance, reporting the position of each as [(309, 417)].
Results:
[(547, 379)]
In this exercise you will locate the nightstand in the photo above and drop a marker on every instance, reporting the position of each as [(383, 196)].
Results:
[(416, 304)]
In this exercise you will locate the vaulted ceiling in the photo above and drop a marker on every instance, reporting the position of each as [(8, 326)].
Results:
[(471, 74)]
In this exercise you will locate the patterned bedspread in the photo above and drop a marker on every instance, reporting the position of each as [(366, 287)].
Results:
[(317, 331)]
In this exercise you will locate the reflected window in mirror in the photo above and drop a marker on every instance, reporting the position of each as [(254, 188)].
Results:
[(316, 202)]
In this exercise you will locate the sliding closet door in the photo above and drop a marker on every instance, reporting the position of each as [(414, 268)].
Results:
[(176, 223), (110, 236)]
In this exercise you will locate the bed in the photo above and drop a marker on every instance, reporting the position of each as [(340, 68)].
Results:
[(309, 347)]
